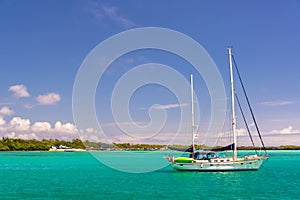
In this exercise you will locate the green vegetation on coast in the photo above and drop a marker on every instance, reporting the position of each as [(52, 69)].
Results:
[(15, 144)]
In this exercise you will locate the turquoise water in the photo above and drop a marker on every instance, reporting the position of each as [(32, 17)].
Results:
[(59, 175)]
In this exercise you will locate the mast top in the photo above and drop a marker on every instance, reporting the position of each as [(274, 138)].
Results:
[(229, 49)]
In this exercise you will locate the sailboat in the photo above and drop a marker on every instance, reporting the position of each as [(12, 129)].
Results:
[(210, 160)]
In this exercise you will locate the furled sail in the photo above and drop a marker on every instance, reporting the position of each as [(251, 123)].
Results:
[(226, 148), (190, 149)]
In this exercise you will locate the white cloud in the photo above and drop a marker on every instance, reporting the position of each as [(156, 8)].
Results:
[(161, 138), (92, 138), (48, 99), (6, 111), (241, 132), (28, 106), (288, 130), (130, 123), (284, 136), (93, 135), (41, 127), (277, 103), (278, 139), (100, 12), (112, 12), (10, 135), (22, 128), (27, 136), (23, 135), (65, 128), (169, 106), (19, 91), (2, 122), (90, 130), (20, 124)]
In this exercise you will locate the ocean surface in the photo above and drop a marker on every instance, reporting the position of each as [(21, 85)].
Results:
[(79, 175)]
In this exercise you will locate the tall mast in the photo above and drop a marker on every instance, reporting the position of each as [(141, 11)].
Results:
[(193, 115), (232, 106)]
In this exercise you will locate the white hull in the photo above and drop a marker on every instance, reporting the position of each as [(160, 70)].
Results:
[(243, 165)]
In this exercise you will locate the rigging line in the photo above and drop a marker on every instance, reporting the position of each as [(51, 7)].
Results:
[(247, 127), (256, 126)]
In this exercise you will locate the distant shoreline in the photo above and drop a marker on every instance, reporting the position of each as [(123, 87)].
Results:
[(14, 144)]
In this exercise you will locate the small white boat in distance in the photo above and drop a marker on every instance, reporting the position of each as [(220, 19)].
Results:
[(63, 148)]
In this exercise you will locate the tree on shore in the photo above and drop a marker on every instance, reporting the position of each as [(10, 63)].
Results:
[(16, 144)]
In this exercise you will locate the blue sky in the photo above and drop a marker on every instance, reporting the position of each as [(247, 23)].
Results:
[(43, 44)]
